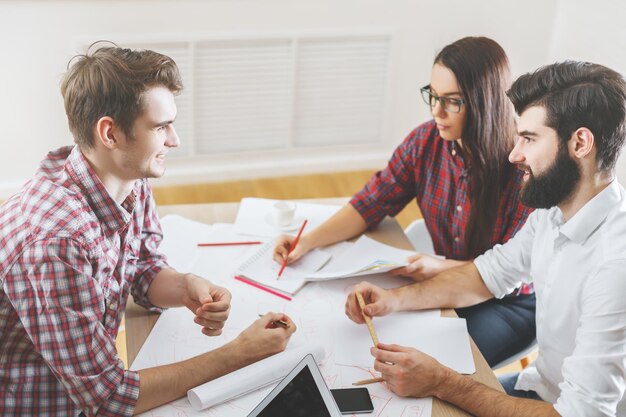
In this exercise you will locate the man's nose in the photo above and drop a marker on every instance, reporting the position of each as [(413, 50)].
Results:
[(173, 141), (516, 156)]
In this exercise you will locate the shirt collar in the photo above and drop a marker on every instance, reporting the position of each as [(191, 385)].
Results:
[(589, 217), (112, 215)]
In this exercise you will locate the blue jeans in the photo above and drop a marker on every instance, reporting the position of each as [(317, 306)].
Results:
[(501, 328), (508, 383)]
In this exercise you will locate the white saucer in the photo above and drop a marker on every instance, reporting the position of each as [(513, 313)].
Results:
[(294, 225)]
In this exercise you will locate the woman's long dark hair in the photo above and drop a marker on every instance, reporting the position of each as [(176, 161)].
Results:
[(482, 71)]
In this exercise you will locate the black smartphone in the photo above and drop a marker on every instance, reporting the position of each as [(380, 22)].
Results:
[(353, 400)]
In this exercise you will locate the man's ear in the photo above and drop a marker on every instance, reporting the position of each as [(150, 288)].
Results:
[(107, 133), (581, 143)]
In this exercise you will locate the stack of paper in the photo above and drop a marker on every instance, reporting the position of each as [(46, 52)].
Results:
[(263, 270), (364, 257)]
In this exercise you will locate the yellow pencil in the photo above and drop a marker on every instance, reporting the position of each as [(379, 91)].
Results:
[(278, 323), (368, 381), (367, 318)]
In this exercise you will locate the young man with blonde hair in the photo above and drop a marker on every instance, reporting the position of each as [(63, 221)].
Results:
[(83, 234)]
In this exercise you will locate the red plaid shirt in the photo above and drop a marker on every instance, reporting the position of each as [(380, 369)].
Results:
[(432, 171), (69, 256)]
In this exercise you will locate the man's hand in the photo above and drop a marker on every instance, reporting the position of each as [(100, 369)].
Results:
[(409, 372), (422, 267), (165, 383), (210, 303), (378, 302), (263, 338), (283, 245)]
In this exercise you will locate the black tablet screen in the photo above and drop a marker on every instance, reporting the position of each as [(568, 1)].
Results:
[(299, 398)]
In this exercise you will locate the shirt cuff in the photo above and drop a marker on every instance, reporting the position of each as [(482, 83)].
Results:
[(482, 264), (142, 284), (124, 399), (371, 214)]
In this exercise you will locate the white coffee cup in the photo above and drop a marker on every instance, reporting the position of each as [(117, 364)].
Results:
[(283, 213)]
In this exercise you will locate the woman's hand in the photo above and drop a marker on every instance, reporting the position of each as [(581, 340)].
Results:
[(283, 245), (422, 267)]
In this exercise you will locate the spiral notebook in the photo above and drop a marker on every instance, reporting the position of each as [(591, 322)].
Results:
[(262, 269)]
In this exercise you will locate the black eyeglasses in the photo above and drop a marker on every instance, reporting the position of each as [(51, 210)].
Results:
[(449, 104)]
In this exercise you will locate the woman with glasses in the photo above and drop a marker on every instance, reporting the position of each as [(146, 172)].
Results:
[(456, 168)]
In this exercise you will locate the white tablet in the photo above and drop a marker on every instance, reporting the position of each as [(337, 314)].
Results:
[(302, 392)]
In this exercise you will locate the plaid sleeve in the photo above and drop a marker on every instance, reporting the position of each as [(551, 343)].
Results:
[(150, 261), (391, 189), (62, 308)]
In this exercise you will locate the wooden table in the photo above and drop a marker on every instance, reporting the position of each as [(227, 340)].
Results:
[(139, 322)]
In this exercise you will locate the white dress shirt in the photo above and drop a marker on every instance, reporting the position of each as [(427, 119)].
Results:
[(579, 271)]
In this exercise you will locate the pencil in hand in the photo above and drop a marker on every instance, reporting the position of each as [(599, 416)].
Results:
[(367, 319), (278, 323), (291, 248)]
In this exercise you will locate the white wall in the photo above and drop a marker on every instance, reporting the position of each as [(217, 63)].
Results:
[(38, 38), (594, 32)]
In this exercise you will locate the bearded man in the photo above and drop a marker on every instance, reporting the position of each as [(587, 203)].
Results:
[(571, 128)]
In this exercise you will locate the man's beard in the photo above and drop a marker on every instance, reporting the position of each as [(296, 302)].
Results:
[(553, 186)]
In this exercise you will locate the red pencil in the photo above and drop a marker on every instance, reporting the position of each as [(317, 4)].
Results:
[(255, 285), (229, 243), (293, 246)]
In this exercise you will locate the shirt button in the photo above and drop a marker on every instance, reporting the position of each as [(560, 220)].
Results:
[(459, 208), (456, 239)]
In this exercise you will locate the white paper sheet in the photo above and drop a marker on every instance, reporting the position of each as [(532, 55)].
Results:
[(215, 263), (175, 336), (366, 256), (317, 311), (445, 339), (263, 269), (180, 240), (254, 214)]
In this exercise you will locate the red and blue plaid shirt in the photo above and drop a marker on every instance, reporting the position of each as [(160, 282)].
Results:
[(69, 256), (432, 171)]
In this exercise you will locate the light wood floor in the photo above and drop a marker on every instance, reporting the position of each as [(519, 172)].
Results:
[(340, 184)]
